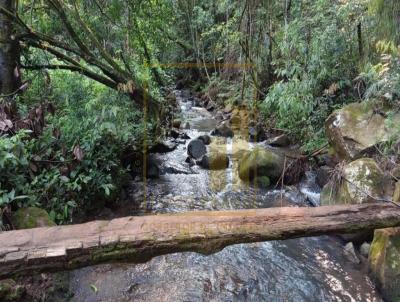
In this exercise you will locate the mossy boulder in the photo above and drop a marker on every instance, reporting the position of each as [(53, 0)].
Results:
[(215, 161), (260, 163), (362, 181), (29, 218), (10, 291), (384, 262), (355, 129)]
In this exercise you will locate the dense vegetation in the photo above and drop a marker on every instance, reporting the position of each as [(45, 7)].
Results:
[(81, 82)]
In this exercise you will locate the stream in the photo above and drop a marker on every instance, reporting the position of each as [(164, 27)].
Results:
[(306, 269)]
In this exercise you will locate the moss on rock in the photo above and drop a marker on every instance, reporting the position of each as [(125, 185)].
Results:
[(32, 217), (384, 262), (260, 162), (362, 182), (356, 128)]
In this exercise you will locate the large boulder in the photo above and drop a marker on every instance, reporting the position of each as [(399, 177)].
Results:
[(384, 262), (259, 163), (29, 218), (215, 161), (355, 129), (362, 181), (196, 149)]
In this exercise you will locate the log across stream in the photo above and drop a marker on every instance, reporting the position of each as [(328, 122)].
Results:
[(138, 239)]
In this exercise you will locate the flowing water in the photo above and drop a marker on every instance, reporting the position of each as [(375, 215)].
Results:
[(306, 269)]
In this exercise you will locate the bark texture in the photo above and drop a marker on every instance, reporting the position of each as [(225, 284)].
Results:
[(138, 239), (9, 52)]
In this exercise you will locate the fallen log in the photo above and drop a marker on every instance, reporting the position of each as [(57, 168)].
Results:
[(138, 239)]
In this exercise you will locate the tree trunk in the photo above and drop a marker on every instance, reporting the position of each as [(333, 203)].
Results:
[(10, 79), (138, 239)]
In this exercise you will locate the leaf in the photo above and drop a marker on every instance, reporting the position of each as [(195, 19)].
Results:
[(64, 178), (78, 153), (94, 288)]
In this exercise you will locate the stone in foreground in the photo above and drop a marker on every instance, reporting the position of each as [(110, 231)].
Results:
[(384, 261)]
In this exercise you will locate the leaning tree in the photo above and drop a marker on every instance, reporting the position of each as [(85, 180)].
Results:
[(68, 33)]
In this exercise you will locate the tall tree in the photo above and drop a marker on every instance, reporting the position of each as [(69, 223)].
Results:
[(10, 79)]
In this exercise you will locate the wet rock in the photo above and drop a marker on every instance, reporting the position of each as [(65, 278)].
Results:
[(223, 130), (174, 133), (355, 129), (180, 141), (10, 291), (214, 161), (32, 217), (350, 253), (256, 134), (197, 102), (186, 126), (190, 161), (163, 147), (176, 170), (211, 106), (323, 174), (205, 138), (362, 182), (196, 149), (364, 249), (384, 262), (184, 136), (153, 170), (260, 162), (279, 141), (176, 123)]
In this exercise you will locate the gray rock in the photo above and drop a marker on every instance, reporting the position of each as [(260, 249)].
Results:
[(364, 249), (350, 253), (196, 149), (205, 138), (190, 161)]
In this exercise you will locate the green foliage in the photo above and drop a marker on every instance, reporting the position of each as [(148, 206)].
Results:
[(44, 172), (310, 62)]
